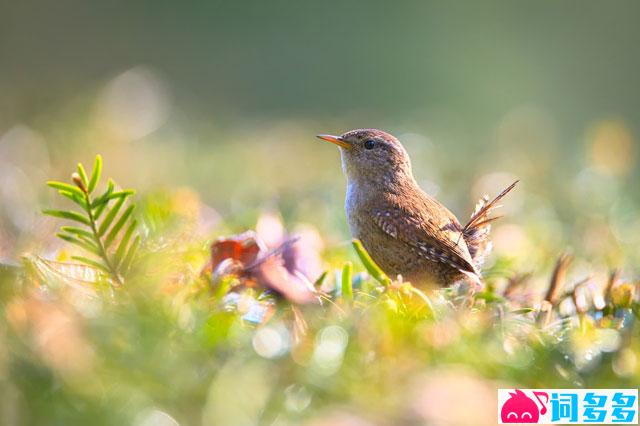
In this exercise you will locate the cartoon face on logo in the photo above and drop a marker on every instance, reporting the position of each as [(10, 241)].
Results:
[(519, 408)]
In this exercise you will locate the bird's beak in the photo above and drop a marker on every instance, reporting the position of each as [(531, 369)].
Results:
[(335, 140)]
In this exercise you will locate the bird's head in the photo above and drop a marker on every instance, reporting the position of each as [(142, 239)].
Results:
[(372, 155)]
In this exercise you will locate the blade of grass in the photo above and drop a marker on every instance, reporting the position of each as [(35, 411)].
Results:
[(347, 287), (320, 280), (371, 267), (522, 311), (425, 299)]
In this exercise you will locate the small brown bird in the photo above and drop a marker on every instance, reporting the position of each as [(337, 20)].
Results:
[(406, 231)]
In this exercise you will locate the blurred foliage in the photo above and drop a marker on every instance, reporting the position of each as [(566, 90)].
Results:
[(186, 343)]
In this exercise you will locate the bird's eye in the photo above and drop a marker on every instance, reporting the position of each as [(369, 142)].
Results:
[(369, 144)]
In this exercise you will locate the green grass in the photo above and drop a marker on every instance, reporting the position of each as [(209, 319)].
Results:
[(206, 346)]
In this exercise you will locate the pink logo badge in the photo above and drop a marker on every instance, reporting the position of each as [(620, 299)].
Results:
[(519, 408)]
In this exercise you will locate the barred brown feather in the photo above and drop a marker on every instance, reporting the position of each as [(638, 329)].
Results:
[(476, 231)]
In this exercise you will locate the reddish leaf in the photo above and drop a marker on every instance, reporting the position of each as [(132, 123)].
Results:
[(244, 255), (243, 248)]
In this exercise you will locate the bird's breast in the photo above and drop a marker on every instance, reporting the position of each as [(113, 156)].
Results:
[(358, 205), (352, 203)]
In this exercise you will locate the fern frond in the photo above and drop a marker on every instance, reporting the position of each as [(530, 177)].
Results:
[(97, 238)]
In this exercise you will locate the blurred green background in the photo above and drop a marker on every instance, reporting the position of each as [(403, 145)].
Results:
[(225, 98), (209, 109)]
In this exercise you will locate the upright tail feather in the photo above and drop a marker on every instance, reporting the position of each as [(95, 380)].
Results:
[(476, 231)]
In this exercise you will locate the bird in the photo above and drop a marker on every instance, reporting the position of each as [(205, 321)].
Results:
[(407, 232)]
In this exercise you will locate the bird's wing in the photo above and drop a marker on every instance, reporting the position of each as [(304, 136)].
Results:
[(437, 237)]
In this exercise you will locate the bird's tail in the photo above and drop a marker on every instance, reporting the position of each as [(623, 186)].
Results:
[(476, 231)]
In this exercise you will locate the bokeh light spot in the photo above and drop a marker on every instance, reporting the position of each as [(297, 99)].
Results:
[(270, 342), (135, 104), (611, 148)]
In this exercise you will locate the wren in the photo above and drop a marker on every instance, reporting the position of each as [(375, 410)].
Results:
[(406, 231)]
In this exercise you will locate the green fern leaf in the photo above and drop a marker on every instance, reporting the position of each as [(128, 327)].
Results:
[(98, 200), (108, 219), (80, 242), (61, 186), (95, 174), (68, 215), (131, 253), (83, 175), (75, 198), (108, 197), (93, 263), (122, 246), (76, 231), (101, 203), (118, 226)]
